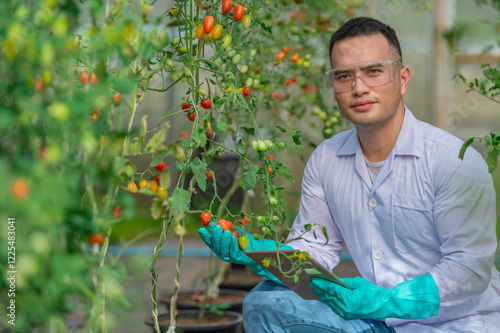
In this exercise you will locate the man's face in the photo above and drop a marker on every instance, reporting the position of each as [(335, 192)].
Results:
[(369, 107)]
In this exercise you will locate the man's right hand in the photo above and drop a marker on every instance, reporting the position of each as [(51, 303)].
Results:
[(225, 246)]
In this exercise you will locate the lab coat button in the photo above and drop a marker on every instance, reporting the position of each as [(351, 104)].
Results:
[(372, 203), (377, 255)]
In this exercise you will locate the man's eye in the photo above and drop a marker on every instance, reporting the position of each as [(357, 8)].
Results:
[(343, 77), (374, 71)]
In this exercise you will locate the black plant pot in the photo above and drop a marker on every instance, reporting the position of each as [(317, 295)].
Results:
[(232, 324), (189, 301)]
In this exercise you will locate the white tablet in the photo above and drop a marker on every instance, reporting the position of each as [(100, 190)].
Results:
[(309, 267)]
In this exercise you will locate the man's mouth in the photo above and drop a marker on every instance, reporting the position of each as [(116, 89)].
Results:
[(362, 105)]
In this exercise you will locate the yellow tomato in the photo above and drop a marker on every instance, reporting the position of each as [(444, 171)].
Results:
[(216, 31)]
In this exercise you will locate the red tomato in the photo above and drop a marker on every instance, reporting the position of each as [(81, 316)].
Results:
[(209, 132), (191, 116), (276, 96), (285, 49), (208, 24), (235, 233), (246, 219), (270, 157), (184, 135), (295, 58), (246, 91), (84, 78), (288, 83), (295, 79), (117, 97), (206, 104), (206, 5), (93, 79), (116, 212), (96, 238), (209, 175), (186, 106), (281, 55), (226, 6), (157, 179), (238, 12), (243, 242), (223, 224), (205, 218), (20, 189), (160, 167)]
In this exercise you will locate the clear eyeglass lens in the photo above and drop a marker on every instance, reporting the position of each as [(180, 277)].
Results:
[(373, 74)]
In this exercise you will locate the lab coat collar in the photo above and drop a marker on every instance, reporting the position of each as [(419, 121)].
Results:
[(407, 142)]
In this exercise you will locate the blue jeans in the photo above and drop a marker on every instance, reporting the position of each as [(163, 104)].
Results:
[(272, 307)]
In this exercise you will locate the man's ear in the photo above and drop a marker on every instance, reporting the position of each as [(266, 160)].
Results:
[(405, 76)]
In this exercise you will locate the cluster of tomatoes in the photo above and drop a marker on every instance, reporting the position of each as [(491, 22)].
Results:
[(154, 184), (206, 218), (92, 78)]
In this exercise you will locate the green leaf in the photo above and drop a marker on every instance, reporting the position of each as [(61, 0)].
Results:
[(248, 129), (281, 129), (165, 178), (266, 28), (326, 235), (312, 271), (222, 125), (464, 147), (199, 170), (284, 173), (158, 159), (250, 177), (240, 146), (492, 159), (253, 100), (295, 278), (308, 227), (179, 201), (218, 101), (158, 138), (156, 208)]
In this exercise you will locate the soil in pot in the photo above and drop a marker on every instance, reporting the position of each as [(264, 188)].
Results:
[(187, 322), (241, 279), (192, 300)]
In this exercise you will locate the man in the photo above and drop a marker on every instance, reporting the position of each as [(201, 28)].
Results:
[(418, 222)]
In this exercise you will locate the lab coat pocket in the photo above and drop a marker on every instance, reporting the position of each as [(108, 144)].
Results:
[(412, 224)]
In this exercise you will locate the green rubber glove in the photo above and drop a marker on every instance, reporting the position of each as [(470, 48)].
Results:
[(413, 299), (225, 246)]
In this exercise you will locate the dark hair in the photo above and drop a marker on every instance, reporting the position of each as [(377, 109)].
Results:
[(366, 26)]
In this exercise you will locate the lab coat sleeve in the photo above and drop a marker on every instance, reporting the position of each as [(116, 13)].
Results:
[(314, 211), (465, 219)]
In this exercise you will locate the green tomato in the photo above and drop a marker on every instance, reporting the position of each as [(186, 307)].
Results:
[(175, 41), (246, 21), (268, 143), (262, 145), (182, 49), (236, 59), (273, 201), (249, 82), (226, 41), (255, 145), (244, 69), (243, 242)]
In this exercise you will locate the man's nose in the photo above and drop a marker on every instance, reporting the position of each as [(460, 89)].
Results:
[(359, 87)]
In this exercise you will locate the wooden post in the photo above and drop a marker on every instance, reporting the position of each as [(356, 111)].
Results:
[(444, 14)]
